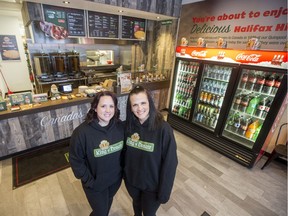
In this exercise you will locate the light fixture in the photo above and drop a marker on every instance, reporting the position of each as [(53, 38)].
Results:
[(157, 17), (66, 2), (120, 11)]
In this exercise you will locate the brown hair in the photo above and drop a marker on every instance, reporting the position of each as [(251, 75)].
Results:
[(91, 115)]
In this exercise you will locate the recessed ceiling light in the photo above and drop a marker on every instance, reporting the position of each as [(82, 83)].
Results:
[(66, 2), (120, 11), (157, 17)]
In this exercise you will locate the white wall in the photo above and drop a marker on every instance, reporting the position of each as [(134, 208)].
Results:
[(15, 72)]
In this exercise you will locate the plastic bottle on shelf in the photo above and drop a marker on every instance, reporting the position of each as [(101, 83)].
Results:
[(255, 135), (244, 102), (260, 82), (269, 83), (267, 108), (237, 101), (253, 105), (261, 107), (244, 80), (252, 129), (277, 83), (251, 81), (245, 122)]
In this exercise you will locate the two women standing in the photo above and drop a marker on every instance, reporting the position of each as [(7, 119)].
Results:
[(150, 158)]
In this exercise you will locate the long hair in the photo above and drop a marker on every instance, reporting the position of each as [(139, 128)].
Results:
[(155, 117), (91, 115)]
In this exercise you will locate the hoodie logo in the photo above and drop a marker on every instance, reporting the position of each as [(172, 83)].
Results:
[(104, 145), (135, 137), (106, 148), (135, 142)]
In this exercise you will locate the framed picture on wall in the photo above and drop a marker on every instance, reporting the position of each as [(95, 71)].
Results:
[(9, 48)]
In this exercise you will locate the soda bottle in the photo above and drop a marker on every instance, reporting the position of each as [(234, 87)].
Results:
[(251, 81), (255, 135), (260, 82), (253, 105), (261, 107), (266, 108), (252, 129), (237, 123), (269, 83), (237, 101), (244, 125), (244, 103), (230, 123), (244, 80), (276, 85)]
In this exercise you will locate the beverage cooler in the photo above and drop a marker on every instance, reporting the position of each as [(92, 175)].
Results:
[(228, 99)]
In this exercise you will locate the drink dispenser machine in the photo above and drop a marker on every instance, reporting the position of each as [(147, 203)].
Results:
[(44, 72), (59, 63)]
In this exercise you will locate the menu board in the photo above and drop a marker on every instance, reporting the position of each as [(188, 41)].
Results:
[(73, 20), (133, 28), (102, 25)]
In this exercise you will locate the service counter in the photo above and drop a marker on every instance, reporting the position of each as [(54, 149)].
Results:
[(54, 121)]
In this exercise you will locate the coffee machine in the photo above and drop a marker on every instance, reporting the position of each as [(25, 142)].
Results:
[(73, 64), (59, 64), (44, 72)]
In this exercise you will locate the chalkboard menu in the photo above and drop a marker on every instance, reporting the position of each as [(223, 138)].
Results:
[(73, 20), (133, 28), (102, 25)]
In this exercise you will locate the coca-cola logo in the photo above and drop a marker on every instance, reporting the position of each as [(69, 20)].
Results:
[(198, 54), (246, 57)]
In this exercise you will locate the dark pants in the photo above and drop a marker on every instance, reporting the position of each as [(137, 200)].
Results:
[(143, 201), (101, 202)]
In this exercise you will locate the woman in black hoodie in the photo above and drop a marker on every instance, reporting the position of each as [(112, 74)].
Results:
[(150, 154), (95, 152)]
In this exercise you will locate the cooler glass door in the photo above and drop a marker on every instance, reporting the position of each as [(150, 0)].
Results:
[(186, 77), (254, 95), (211, 93)]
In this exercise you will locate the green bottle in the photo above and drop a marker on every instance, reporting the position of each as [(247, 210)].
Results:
[(255, 135), (253, 105)]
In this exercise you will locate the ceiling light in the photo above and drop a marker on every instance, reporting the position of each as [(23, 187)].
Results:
[(157, 17), (66, 2), (120, 11)]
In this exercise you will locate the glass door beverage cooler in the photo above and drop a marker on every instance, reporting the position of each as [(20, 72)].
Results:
[(228, 99), (212, 93), (254, 99), (184, 86)]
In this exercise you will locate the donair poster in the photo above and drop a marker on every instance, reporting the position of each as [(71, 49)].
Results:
[(236, 22)]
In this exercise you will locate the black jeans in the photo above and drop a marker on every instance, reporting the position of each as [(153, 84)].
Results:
[(143, 201), (101, 202)]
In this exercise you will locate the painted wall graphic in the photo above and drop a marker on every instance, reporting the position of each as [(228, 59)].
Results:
[(236, 22)]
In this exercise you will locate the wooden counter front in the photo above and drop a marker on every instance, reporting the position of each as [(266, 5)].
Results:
[(52, 121)]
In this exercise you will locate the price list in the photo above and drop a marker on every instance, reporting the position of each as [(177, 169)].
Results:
[(76, 23), (133, 28), (102, 25), (73, 20)]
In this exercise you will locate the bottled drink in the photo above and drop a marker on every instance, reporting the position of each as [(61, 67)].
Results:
[(252, 129), (253, 105), (244, 103), (261, 107), (267, 108), (259, 83), (237, 101), (255, 135), (251, 81), (230, 123), (269, 83), (276, 85), (244, 80), (245, 122)]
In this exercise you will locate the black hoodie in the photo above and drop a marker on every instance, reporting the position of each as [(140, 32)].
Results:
[(97, 167), (151, 159)]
